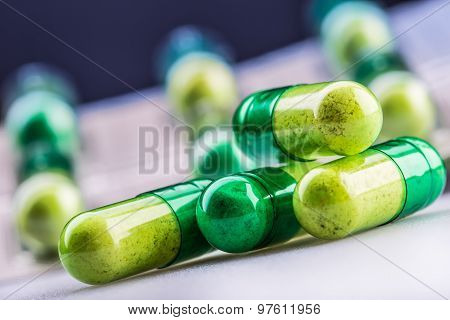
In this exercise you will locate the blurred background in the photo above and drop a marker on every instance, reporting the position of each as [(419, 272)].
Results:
[(125, 46)]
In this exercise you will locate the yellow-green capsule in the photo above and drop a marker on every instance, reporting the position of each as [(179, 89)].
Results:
[(153, 230), (43, 204)]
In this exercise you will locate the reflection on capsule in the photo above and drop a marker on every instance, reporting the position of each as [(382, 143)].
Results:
[(308, 121)]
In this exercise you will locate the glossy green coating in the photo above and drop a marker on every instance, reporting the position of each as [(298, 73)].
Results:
[(252, 125), (246, 211), (356, 193), (151, 231), (407, 105), (353, 30), (42, 117), (320, 9), (43, 204), (307, 122)]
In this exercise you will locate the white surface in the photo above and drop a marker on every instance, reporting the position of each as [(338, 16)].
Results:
[(409, 259)]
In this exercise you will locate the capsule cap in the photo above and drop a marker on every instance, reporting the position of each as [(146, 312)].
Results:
[(244, 212), (423, 170)]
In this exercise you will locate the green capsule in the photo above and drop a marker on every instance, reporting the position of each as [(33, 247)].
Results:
[(199, 80), (202, 88), (153, 230), (39, 77), (408, 109), (42, 117), (43, 204), (185, 40), (306, 122), (247, 211), (387, 182), (352, 30), (407, 105)]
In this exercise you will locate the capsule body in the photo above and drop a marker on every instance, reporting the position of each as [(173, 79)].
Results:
[(42, 117), (407, 106), (408, 109), (306, 122), (151, 231), (353, 30), (247, 211), (356, 193), (43, 204), (199, 81)]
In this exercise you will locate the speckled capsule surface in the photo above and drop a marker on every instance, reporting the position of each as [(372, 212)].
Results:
[(356, 193), (306, 122), (247, 211)]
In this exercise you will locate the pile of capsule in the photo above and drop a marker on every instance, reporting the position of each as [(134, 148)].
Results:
[(358, 44), (327, 178), (38, 102)]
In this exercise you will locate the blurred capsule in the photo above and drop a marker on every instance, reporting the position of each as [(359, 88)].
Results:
[(308, 121), (43, 204), (199, 81), (39, 77), (250, 210), (152, 230), (407, 106), (352, 30), (41, 116), (389, 181), (320, 9)]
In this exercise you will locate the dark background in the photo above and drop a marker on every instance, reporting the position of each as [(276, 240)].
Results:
[(121, 35)]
